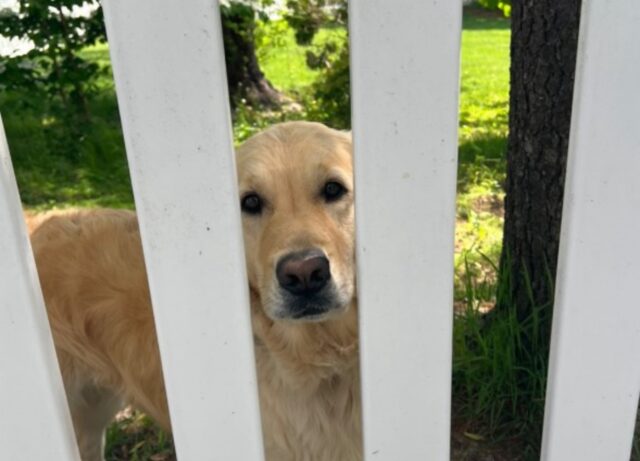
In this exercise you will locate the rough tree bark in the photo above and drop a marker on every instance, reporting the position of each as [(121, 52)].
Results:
[(543, 53)]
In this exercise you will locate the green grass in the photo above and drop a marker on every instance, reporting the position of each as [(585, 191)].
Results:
[(134, 437), (484, 103), (484, 100), (283, 62), (57, 163), (99, 54), (500, 368), (36, 155), (57, 167)]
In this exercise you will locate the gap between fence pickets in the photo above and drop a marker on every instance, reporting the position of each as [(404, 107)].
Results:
[(32, 398)]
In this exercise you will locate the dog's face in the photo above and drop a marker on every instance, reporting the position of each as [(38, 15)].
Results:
[(296, 194)]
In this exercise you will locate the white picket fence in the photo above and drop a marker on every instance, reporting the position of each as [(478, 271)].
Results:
[(169, 68)]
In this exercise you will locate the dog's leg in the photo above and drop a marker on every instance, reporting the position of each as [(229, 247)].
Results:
[(92, 409)]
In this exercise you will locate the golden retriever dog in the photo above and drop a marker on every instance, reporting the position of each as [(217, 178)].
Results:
[(296, 194)]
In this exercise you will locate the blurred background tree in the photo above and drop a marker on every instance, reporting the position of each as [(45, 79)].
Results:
[(245, 78), (53, 65), (59, 30), (330, 94), (60, 80)]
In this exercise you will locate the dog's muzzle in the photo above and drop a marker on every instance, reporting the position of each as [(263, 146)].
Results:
[(305, 283)]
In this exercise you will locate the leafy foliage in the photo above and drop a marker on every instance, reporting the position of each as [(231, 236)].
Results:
[(502, 5), (329, 100), (53, 65), (306, 17), (52, 75)]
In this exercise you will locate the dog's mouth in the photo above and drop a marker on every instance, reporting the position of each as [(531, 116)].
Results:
[(309, 314), (307, 308)]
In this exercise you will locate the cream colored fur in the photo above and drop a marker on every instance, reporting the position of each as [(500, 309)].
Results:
[(94, 282)]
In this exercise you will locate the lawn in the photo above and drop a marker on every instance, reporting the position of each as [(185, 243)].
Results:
[(484, 106), (59, 164)]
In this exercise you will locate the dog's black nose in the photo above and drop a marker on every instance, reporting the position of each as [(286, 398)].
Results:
[(303, 273)]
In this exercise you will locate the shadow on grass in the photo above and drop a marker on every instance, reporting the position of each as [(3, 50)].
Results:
[(482, 159), (59, 162), (476, 18)]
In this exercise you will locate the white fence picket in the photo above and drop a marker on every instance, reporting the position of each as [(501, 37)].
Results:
[(170, 77), (595, 366), (405, 67), (169, 66), (34, 417)]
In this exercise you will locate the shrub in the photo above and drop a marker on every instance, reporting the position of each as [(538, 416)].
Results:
[(502, 5)]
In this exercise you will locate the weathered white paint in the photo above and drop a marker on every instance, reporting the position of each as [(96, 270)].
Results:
[(405, 59), (595, 360), (170, 77), (34, 418), (169, 69)]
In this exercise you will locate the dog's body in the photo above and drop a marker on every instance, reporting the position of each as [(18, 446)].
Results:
[(296, 187)]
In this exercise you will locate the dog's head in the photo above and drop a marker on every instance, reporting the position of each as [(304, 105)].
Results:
[(296, 194)]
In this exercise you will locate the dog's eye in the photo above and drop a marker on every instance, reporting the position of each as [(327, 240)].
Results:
[(251, 203), (333, 191)]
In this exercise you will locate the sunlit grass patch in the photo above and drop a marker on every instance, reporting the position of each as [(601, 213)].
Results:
[(484, 103), (484, 100), (283, 62)]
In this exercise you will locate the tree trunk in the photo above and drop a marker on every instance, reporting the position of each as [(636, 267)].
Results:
[(244, 76), (543, 53)]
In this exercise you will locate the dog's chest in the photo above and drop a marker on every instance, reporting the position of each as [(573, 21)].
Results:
[(312, 422)]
